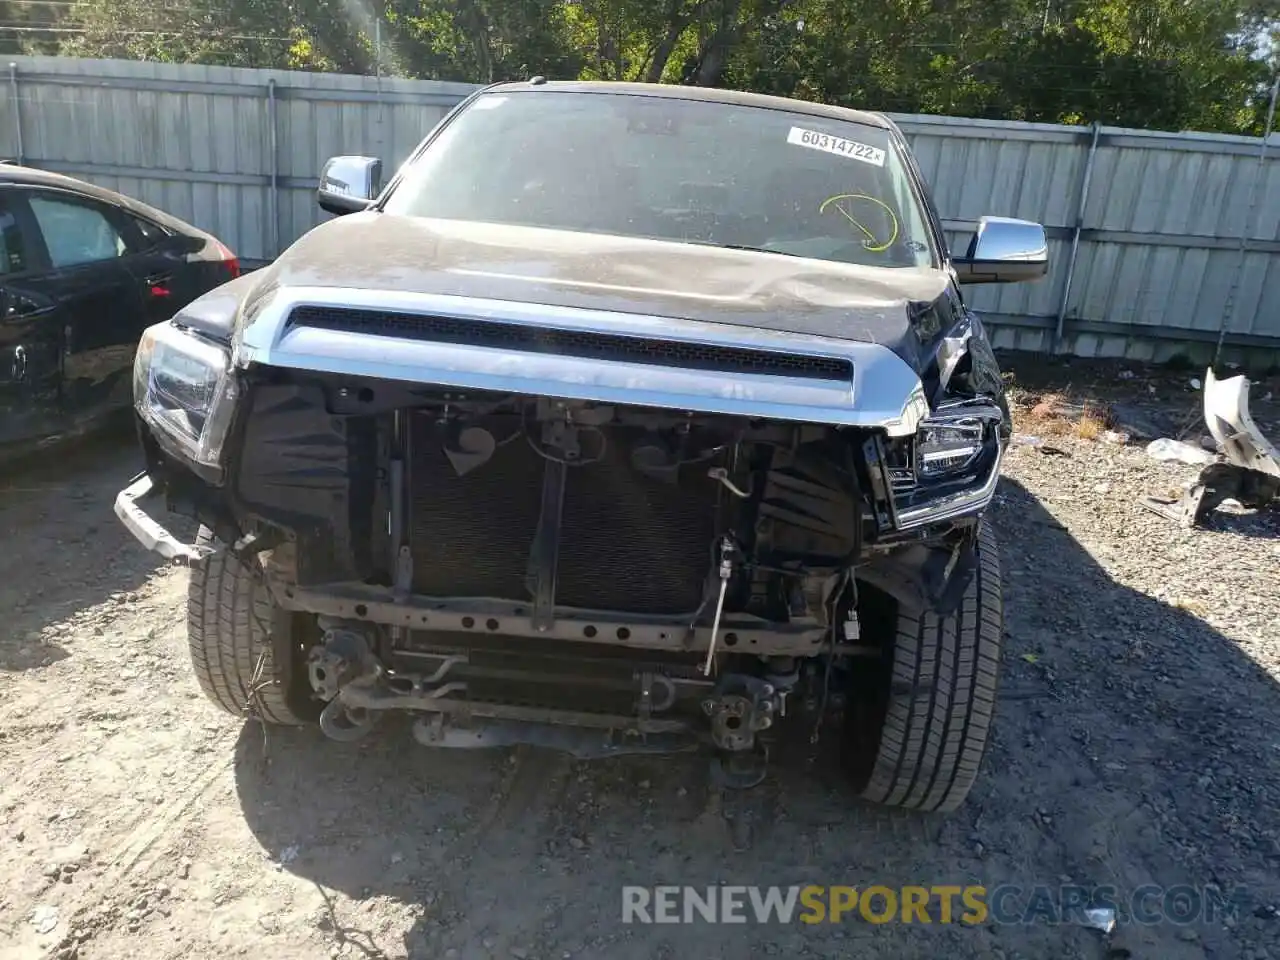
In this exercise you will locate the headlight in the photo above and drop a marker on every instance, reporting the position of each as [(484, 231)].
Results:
[(947, 448), (183, 388), (952, 467)]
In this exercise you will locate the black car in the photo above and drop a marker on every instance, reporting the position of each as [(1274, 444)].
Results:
[(625, 418), (83, 271)]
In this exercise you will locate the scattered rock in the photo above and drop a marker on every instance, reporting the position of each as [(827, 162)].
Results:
[(184, 868)]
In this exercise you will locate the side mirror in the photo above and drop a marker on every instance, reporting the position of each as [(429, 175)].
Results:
[(349, 184), (1004, 250)]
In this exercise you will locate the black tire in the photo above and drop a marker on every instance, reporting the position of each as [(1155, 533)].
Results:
[(919, 724), (230, 616)]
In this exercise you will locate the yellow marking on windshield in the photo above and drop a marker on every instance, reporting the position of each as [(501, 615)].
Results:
[(871, 243)]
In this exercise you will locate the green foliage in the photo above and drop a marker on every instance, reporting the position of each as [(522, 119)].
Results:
[(1168, 64)]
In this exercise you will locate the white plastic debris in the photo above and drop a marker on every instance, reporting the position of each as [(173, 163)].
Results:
[(1027, 440), (289, 854), (1100, 918), (1127, 374), (44, 918), (1166, 449), (1195, 383)]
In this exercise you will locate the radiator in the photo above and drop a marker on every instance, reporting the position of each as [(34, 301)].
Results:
[(628, 543)]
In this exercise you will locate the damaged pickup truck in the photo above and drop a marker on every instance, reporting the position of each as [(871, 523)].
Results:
[(622, 419)]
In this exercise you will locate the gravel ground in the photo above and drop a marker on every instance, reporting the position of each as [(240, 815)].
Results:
[(1136, 743)]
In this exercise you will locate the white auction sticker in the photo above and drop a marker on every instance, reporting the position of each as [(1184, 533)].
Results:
[(837, 145)]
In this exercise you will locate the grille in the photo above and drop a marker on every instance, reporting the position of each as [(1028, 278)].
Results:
[(627, 543), (576, 343)]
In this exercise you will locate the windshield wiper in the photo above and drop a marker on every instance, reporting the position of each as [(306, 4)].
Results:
[(742, 246)]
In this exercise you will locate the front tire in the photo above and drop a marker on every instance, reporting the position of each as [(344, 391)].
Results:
[(919, 724), (231, 622)]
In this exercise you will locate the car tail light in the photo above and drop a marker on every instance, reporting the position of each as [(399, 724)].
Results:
[(227, 257)]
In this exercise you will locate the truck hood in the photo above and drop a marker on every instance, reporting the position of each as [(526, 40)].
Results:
[(377, 251)]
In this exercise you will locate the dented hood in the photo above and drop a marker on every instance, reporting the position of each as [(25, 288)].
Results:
[(375, 251)]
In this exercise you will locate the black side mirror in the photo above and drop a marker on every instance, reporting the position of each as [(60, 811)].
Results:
[(349, 184)]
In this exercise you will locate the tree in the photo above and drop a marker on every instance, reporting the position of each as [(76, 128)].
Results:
[(1174, 64)]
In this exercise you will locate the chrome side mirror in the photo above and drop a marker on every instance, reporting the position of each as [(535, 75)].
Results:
[(349, 184), (1004, 250)]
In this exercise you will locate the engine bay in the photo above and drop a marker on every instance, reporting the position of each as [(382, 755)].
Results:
[(619, 570)]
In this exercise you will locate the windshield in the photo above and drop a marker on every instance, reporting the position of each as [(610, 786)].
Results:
[(673, 169)]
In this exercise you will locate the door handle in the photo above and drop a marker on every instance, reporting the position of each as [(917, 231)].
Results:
[(19, 366), (158, 284)]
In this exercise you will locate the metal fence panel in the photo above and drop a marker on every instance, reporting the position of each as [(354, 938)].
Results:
[(1144, 227)]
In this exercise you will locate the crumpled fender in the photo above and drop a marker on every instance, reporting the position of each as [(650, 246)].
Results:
[(1226, 411)]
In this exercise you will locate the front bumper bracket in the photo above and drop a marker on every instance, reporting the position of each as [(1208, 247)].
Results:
[(148, 531)]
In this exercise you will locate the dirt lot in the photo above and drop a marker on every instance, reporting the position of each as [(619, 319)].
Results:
[(1137, 742)]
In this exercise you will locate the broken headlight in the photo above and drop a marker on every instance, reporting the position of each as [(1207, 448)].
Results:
[(183, 388), (944, 448)]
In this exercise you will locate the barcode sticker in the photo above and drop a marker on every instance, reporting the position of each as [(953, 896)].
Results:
[(838, 145)]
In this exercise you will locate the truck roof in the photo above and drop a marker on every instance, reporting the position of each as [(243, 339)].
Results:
[(706, 94)]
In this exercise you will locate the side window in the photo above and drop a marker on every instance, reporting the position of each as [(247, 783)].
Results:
[(13, 248), (75, 231), (150, 234)]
